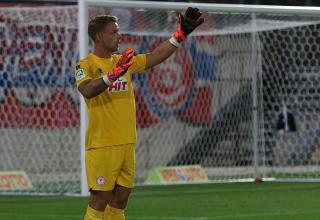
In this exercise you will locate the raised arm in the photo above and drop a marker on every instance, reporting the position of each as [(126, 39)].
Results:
[(93, 87), (187, 23)]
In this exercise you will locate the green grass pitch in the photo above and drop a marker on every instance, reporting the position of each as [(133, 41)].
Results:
[(231, 201)]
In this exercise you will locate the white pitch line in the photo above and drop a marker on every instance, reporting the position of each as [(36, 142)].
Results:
[(161, 192), (41, 215), (167, 217), (223, 217), (264, 214), (275, 188)]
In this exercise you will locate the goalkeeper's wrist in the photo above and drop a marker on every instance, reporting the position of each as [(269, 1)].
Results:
[(106, 80), (174, 42)]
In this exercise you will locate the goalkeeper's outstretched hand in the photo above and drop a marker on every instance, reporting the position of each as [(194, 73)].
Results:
[(121, 68), (187, 23)]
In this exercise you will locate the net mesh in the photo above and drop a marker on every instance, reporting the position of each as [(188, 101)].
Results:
[(39, 117), (223, 100), (291, 68), (240, 97)]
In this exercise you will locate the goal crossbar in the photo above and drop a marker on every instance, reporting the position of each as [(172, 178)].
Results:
[(233, 8)]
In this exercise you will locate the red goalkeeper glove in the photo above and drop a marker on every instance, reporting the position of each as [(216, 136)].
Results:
[(187, 23), (121, 68)]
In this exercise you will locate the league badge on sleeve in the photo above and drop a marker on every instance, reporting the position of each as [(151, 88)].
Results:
[(79, 74)]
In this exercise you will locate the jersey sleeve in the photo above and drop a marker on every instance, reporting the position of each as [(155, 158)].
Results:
[(82, 72)]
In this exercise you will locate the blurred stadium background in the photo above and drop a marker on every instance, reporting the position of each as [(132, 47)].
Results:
[(241, 98)]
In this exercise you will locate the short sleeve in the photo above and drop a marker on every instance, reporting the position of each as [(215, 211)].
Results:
[(82, 72)]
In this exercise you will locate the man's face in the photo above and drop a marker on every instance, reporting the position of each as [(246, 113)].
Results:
[(110, 37)]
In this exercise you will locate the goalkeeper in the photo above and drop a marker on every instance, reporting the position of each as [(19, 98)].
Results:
[(103, 78)]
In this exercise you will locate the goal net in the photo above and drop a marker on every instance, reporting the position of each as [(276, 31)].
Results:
[(39, 104), (240, 97)]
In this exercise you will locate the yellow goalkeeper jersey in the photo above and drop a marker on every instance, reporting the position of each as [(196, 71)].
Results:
[(111, 114)]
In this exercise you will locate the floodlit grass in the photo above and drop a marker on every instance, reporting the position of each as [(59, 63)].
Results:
[(232, 201)]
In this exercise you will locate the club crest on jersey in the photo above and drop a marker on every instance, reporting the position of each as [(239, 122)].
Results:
[(121, 85), (100, 180), (79, 74)]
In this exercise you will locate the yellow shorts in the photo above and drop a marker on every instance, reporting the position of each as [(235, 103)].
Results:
[(110, 166)]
